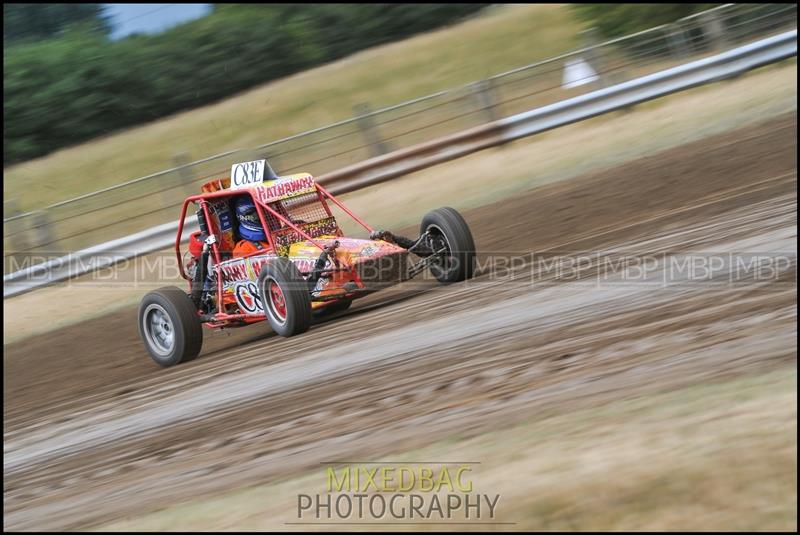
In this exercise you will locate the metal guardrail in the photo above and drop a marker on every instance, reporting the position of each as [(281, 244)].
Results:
[(381, 168), (119, 210)]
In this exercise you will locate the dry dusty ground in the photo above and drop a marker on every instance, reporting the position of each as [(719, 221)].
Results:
[(94, 431), (683, 460)]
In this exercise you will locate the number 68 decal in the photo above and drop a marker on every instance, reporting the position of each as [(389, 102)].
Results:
[(247, 298)]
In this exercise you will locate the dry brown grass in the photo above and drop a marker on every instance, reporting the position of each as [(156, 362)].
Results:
[(710, 457), (570, 151)]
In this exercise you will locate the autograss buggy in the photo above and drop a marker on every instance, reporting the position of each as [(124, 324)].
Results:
[(305, 268)]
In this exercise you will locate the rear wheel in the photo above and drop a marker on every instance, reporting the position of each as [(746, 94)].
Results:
[(285, 296), (447, 230), (169, 326)]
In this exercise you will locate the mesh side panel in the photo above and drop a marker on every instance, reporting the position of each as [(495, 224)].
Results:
[(304, 208), (305, 211), (299, 210), (273, 223)]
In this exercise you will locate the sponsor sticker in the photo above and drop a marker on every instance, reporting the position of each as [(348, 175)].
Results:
[(246, 294), (284, 188)]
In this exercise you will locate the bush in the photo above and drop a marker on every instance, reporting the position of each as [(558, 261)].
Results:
[(77, 86)]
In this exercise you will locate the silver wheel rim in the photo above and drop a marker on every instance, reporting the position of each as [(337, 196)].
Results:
[(158, 329), (446, 264)]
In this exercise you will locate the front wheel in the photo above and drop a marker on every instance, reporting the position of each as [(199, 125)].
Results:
[(285, 296), (169, 326), (448, 231)]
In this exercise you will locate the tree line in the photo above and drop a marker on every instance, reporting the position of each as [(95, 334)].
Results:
[(65, 82)]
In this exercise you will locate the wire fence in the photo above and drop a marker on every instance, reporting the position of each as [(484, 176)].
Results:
[(148, 201)]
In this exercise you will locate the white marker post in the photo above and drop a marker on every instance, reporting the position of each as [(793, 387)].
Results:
[(578, 72)]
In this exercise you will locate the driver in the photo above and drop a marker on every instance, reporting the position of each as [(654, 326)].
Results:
[(250, 229)]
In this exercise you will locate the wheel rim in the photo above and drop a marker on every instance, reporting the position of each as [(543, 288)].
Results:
[(277, 301), (437, 240), (158, 329)]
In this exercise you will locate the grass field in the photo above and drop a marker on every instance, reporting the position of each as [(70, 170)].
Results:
[(719, 456), (502, 38)]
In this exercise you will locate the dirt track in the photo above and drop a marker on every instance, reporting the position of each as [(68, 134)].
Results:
[(94, 430)]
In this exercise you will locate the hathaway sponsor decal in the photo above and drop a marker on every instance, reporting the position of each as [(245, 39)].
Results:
[(234, 271), (304, 264), (284, 188), (237, 269)]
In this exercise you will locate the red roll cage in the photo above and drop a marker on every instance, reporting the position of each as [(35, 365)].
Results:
[(203, 198)]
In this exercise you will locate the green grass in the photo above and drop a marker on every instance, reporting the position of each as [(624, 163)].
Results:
[(500, 39)]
